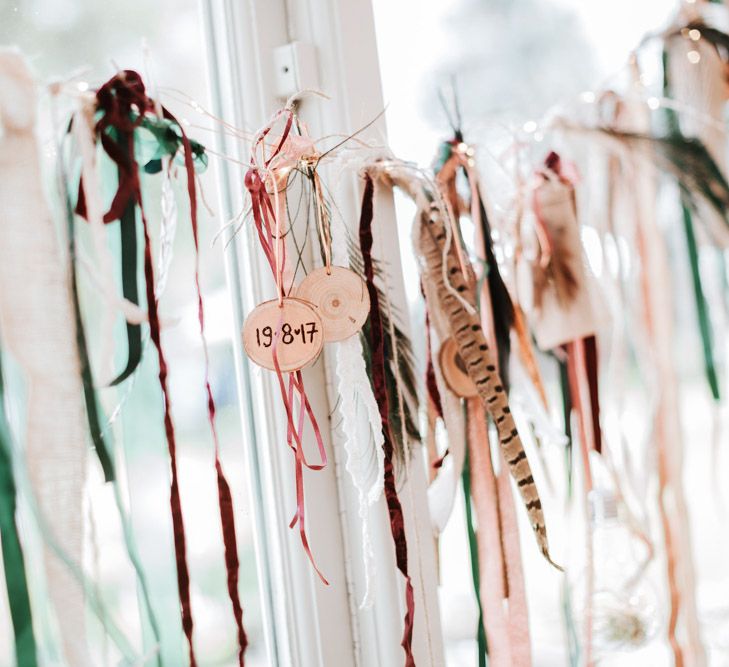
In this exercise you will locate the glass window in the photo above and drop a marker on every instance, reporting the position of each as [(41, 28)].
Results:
[(165, 42)]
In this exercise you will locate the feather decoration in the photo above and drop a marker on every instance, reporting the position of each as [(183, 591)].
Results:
[(479, 362), (557, 258), (401, 376), (701, 91), (564, 310), (378, 374), (454, 157), (443, 489), (441, 267), (717, 38), (501, 304), (361, 426), (688, 161)]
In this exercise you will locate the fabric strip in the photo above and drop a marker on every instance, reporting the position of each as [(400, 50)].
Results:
[(225, 500)]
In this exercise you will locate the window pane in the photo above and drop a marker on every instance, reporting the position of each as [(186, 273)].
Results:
[(93, 39)]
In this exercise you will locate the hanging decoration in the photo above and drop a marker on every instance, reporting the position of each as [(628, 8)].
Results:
[(122, 108), (285, 322), (451, 301), (340, 301), (497, 560)]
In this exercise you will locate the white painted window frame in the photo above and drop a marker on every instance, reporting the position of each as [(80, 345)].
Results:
[(305, 622)]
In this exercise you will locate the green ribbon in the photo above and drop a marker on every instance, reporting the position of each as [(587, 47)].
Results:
[(92, 409), (702, 306), (130, 288), (102, 448), (15, 580), (473, 552)]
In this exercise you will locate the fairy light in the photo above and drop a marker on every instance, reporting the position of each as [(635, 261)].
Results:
[(538, 136), (694, 34), (82, 86), (653, 103), (530, 126), (588, 97), (693, 57)]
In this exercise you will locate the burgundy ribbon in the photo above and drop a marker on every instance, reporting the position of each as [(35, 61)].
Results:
[(178, 526), (377, 349), (121, 97), (225, 500)]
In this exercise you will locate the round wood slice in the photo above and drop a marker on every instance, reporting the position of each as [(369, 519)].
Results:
[(340, 298), (299, 339), (454, 371)]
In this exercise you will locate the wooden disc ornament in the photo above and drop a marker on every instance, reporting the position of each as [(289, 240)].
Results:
[(300, 334), (454, 370), (339, 297)]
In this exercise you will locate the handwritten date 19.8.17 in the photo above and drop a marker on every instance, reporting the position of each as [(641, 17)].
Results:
[(287, 334)]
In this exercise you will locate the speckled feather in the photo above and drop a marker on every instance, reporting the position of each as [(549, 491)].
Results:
[(479, 361)]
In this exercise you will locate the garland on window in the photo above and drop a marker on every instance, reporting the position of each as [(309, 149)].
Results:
[(505, 297)]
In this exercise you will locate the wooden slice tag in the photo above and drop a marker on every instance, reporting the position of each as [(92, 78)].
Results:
[(300, 336), (340, 298), (454, 370)]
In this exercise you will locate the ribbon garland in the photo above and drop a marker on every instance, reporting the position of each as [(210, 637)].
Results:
[(124, 106), (376, 334)]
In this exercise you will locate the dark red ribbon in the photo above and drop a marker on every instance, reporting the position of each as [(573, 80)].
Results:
[(591, 366), (589, 352), (225, 500), (379, 381)]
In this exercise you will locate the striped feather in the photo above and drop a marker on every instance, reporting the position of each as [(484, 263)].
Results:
[(479, 361)]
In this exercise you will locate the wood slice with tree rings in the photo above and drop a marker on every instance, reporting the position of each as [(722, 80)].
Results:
[(454, 370), (300, 334), (340, 298)]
